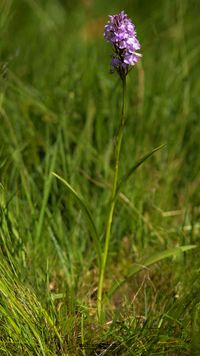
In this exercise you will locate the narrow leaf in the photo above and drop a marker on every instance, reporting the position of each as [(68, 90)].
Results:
[(136, 165), (147, 262), (87, 213)]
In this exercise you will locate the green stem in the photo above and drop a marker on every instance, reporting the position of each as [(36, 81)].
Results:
[(112, 207)]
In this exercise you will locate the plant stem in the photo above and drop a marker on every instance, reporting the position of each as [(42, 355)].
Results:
[(112, 207)]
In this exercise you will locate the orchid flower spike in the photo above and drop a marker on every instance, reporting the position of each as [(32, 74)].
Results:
[(120, 32)]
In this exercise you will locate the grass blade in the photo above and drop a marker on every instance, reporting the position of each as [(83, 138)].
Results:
[(87, 213), (46, 192)]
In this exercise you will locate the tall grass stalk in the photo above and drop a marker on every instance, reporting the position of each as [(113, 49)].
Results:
[(112, 205)]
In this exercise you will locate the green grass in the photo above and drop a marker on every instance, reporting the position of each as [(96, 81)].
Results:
[(59, 112)]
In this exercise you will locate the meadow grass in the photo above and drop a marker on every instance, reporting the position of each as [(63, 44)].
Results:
[(59, 112)]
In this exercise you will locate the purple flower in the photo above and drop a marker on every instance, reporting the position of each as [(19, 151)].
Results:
[(120, 32)]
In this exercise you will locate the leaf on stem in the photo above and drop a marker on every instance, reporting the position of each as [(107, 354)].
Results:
[(124, 179), (146, 263), (86, 212)]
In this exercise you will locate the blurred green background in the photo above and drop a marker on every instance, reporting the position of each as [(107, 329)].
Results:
[(59, 111)]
